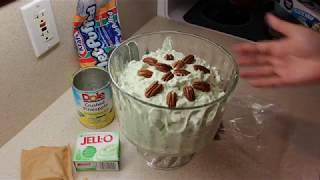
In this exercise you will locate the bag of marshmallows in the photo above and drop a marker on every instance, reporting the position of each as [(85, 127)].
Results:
[(96, 31)]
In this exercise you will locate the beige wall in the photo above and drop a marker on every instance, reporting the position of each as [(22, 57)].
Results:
[(135, 13), (28, 85)]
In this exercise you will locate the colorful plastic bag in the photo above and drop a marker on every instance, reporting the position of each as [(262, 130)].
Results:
[(96, 31)]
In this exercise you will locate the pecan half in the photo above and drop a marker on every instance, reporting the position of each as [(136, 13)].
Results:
[(163, 67), (201, 86), (179, 64), (149, 60), (189, 59), (201, 68), (153, 89), (145, 73), (169, 57), (168, 76), (172, 99), (188, 92), (181, 72)]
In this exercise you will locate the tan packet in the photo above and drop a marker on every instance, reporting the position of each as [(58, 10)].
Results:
[(46, 163)]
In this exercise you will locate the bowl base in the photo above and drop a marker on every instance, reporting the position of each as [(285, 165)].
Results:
[(164, 162)]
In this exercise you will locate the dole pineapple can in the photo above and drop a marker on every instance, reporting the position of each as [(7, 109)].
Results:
[(93, 97)]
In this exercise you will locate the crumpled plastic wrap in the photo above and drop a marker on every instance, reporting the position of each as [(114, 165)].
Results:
[(247, 121)]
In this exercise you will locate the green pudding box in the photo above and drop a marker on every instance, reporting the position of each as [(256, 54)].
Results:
[(97, 151)]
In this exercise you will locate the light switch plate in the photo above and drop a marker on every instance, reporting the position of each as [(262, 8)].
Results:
[(39, 20)]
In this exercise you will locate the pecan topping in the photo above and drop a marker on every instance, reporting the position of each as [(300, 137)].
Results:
[(172, 99), (179, 64), (153, 89), (163, 67), (169, 57), (201, 68), (151, 61), (188, 59), (188, 92), (181, 72), (201, 86), (175, 69), (168, 76), (145, 73)]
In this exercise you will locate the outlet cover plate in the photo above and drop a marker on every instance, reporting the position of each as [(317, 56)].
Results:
[(41, 26)]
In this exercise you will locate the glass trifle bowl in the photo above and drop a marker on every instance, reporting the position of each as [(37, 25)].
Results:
[(168, 134)]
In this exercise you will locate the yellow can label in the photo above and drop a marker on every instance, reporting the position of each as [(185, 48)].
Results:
[(94, 107)]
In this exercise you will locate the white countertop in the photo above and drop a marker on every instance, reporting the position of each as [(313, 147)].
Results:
[(59, 125)]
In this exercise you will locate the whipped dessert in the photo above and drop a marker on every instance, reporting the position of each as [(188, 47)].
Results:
[(180, 83), (169, 78)]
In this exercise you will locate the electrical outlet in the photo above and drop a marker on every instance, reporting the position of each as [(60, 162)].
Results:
[(42, 23), (39, 20)]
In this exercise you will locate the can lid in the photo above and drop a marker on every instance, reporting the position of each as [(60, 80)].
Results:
[(90, 79)]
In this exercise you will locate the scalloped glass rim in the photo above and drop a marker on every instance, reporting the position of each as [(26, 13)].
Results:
[(227, 93)]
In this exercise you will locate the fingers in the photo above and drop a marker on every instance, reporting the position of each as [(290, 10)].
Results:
[(284, 27), (245, 49), (262, 70), (275, 48), (273, 81), (270, 48), (245, 61), (259, 60), (257, 72)]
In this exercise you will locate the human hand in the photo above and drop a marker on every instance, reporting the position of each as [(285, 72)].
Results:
[(294, 59)]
